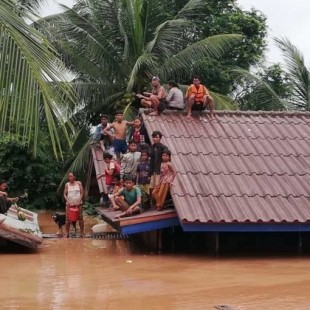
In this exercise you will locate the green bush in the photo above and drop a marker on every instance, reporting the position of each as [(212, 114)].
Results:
[(40, 175)]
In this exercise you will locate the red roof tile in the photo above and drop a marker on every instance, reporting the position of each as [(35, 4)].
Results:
[(242, 167)]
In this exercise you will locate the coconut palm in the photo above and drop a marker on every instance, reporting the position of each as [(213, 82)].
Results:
[(295, 93), (32, 79), (116, 45), (298, 74)]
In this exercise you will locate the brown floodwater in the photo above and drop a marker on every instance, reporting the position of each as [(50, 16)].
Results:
[(106, 274)]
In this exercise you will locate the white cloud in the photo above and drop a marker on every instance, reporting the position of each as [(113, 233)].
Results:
[(284, 19), (51, 7)]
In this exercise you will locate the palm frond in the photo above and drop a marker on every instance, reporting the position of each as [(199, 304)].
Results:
[(143, 67), (79, 165), (222, 102), (183, 62), (31, 78), (263, 92), (192, 8), (298, 72), (167, 36)]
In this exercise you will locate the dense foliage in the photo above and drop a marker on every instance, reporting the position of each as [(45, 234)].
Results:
[(40, 175)]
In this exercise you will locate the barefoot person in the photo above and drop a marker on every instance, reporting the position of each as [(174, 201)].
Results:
[(167, 175), (155, 99), (119, 126), (128, 199), (197, 98), (73, 195)]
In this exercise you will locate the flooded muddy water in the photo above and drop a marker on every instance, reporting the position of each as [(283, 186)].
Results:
[(106, 274)]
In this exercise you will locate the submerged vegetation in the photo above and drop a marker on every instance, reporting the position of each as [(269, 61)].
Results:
[(59, 73)]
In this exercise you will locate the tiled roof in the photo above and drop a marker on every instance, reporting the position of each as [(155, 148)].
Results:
[(242, 167)]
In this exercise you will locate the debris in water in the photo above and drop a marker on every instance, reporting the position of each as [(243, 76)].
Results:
[(223, 307)]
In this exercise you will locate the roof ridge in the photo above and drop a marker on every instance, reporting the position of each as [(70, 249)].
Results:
[(237, 137), (243, 154), (239, 196), (237, 112), (243, 173)]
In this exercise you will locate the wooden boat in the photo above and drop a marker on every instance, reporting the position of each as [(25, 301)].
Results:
[(26, 233)]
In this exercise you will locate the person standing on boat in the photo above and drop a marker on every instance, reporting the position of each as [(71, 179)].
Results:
[(73, 195), (5, 201)]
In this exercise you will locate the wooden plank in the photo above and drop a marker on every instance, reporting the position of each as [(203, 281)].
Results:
[(145, 217), (149, 218), (100, 167)]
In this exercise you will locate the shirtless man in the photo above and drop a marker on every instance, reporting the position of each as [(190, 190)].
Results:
[(197, 98), (155, 98), (119, 126)]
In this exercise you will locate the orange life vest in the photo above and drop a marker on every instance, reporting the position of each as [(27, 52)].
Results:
[(199, 93)]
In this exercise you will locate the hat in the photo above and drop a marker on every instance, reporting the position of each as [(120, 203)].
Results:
[(155, 78)]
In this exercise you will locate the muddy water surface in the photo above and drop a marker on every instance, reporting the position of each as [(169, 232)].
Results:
[(104, 274)]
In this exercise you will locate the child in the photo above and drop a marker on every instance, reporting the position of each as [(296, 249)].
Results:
[(128, 199), (112, 167), (130, 161), (119, 126), (144, 176), (139, 134), (117, 185), (167, 175), (156, 151)]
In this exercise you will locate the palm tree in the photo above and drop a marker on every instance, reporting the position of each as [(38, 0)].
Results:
[(298, 74), (118, 45), (32, 78), (292, 93)]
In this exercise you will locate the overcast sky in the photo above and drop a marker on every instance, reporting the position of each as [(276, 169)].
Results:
[(285, 18)]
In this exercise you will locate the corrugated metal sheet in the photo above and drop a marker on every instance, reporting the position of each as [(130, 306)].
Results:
[(242, 167)]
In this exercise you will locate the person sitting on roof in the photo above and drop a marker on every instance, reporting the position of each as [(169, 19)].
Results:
[(105, 139), (197, 98), (130, 160), (118, 185), (175, 98), (144, 177), (167, 175), (128, 199), (5, 200), (156, 99), (112, 168)]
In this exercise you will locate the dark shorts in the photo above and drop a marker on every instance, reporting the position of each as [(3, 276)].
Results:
[(198, 106), (174, 108), (162, 105), (120, 146)]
